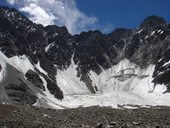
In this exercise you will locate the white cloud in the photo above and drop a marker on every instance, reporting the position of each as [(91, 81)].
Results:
[(11, 1), (38, 14), (59, 12), (107, 28)]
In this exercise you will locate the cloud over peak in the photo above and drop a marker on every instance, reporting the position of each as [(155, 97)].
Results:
[(59, 12)]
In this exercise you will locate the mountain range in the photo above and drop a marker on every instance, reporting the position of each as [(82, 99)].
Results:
[(49, 67)]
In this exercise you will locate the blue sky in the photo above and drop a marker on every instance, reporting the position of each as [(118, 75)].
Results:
[(105, 15), (125, 13)]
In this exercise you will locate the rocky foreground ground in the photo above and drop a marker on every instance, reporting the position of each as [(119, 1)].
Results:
[(91, 117)]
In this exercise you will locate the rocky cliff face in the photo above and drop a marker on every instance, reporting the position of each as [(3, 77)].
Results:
[(51, 64)]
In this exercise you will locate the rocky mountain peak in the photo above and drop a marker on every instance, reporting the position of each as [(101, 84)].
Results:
[(118, 34), (153, 21)]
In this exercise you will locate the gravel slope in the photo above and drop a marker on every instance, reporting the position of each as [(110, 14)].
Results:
[(91, 117)]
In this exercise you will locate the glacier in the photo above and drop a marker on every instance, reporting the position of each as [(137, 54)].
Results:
[(124, 84)]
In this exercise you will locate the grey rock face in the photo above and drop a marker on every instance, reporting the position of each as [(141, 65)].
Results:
[(35, 79), (15, 89)]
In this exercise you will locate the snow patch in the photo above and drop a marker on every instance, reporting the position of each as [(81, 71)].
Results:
[(162, 32), (140, 31), (152, 33), (146, 37), (159, 31), (40, 69), (21, 63), (167, 63), (32, 29), (55, 34), (159, 60), (68, 81), (49, 46)]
